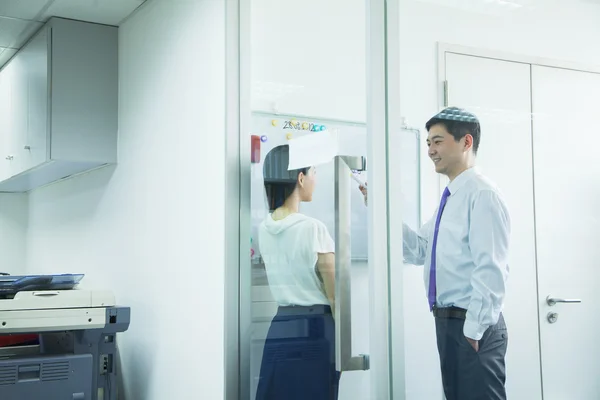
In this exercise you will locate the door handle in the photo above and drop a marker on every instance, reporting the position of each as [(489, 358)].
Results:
[(553, 300), (344, 360)]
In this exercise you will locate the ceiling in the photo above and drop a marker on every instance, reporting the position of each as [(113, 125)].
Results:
[(19, 19)]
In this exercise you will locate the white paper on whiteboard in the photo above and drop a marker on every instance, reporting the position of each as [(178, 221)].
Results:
[(311, 150)]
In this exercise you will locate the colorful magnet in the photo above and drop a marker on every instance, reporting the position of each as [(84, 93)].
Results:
[(288, 136), (263, 138), (274, 122), (305, 125)]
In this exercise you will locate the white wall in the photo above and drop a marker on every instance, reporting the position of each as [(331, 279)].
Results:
[(152, 229), (13, 230), (315, 51)]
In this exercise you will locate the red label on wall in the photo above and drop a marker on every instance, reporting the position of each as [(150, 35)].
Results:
[(255, 149)]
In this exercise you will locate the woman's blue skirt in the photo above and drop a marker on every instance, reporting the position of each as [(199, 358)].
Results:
[(299, 356)]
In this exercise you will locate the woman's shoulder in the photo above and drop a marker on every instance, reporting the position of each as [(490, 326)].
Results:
[(298, 220), (313, 222)]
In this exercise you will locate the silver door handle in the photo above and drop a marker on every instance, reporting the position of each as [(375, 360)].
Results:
[(553, 300), (344, 360)]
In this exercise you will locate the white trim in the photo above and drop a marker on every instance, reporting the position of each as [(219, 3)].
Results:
[(512, 57), (233, 128), (378, 240), (444, 48), (245, 209), (394, 189), (309, 117)]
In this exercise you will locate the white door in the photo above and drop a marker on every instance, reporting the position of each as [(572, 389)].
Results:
[(567, 197), (498, 92)]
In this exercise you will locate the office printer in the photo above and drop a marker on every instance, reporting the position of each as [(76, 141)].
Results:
[(57, 341)]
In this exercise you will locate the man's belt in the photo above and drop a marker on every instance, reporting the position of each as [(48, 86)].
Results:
[(449, 312)]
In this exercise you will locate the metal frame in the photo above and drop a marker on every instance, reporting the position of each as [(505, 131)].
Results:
[(237, 195), (395, 257), (377, 129), (383, 111)]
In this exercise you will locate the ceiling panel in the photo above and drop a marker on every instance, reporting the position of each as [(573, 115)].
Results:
[(15, 32), (20, 19), (110, 12), (23, 9)]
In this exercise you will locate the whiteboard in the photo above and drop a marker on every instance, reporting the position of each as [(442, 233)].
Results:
[(276, 130)]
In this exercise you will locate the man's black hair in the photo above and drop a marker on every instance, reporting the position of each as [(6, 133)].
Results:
[(458, 123), (279, 182)]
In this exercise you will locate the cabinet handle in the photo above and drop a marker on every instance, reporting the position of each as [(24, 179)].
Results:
[(9, 157), (27, 147)]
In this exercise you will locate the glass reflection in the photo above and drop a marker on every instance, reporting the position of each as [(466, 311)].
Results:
[(298, 360)]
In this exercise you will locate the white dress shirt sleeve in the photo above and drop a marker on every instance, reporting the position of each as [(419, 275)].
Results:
[(414, 243), (489, 235)]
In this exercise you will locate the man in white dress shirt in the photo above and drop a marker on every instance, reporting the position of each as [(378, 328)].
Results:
[(464, 250)]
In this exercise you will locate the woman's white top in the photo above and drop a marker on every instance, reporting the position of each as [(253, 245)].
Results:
[(289, 249)]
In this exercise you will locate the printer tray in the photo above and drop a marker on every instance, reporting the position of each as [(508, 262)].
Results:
[(46, 377), (11, 285)]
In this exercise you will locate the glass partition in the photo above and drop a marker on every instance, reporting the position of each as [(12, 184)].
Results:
[(338, 211), (319, 302), (449, 102), (271, 131)]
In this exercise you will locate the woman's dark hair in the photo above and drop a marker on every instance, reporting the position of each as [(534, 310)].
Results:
[(279, 182)]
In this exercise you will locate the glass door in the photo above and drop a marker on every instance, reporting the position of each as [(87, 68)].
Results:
[(292, 327), (316, 318)]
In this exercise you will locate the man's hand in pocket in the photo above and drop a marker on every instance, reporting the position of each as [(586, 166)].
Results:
[(474, 344)]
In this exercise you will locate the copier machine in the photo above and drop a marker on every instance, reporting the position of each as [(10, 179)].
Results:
[(58, 342)]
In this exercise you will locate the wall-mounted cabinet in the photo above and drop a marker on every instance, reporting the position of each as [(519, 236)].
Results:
[(59, 105)]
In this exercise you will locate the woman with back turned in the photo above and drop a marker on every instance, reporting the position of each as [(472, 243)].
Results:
[(299, 356)]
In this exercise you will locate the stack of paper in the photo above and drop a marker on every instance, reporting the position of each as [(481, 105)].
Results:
[(312, 150)]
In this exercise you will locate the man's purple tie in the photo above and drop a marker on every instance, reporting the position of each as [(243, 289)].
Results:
[(432, 276)]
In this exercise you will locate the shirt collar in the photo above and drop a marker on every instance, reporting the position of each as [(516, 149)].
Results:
[(461, 179)]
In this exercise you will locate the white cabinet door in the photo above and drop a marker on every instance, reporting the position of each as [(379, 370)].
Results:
[(498, 92), (25, 93), (33, 150), (5, 120), (567, 197), (15, 72)]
